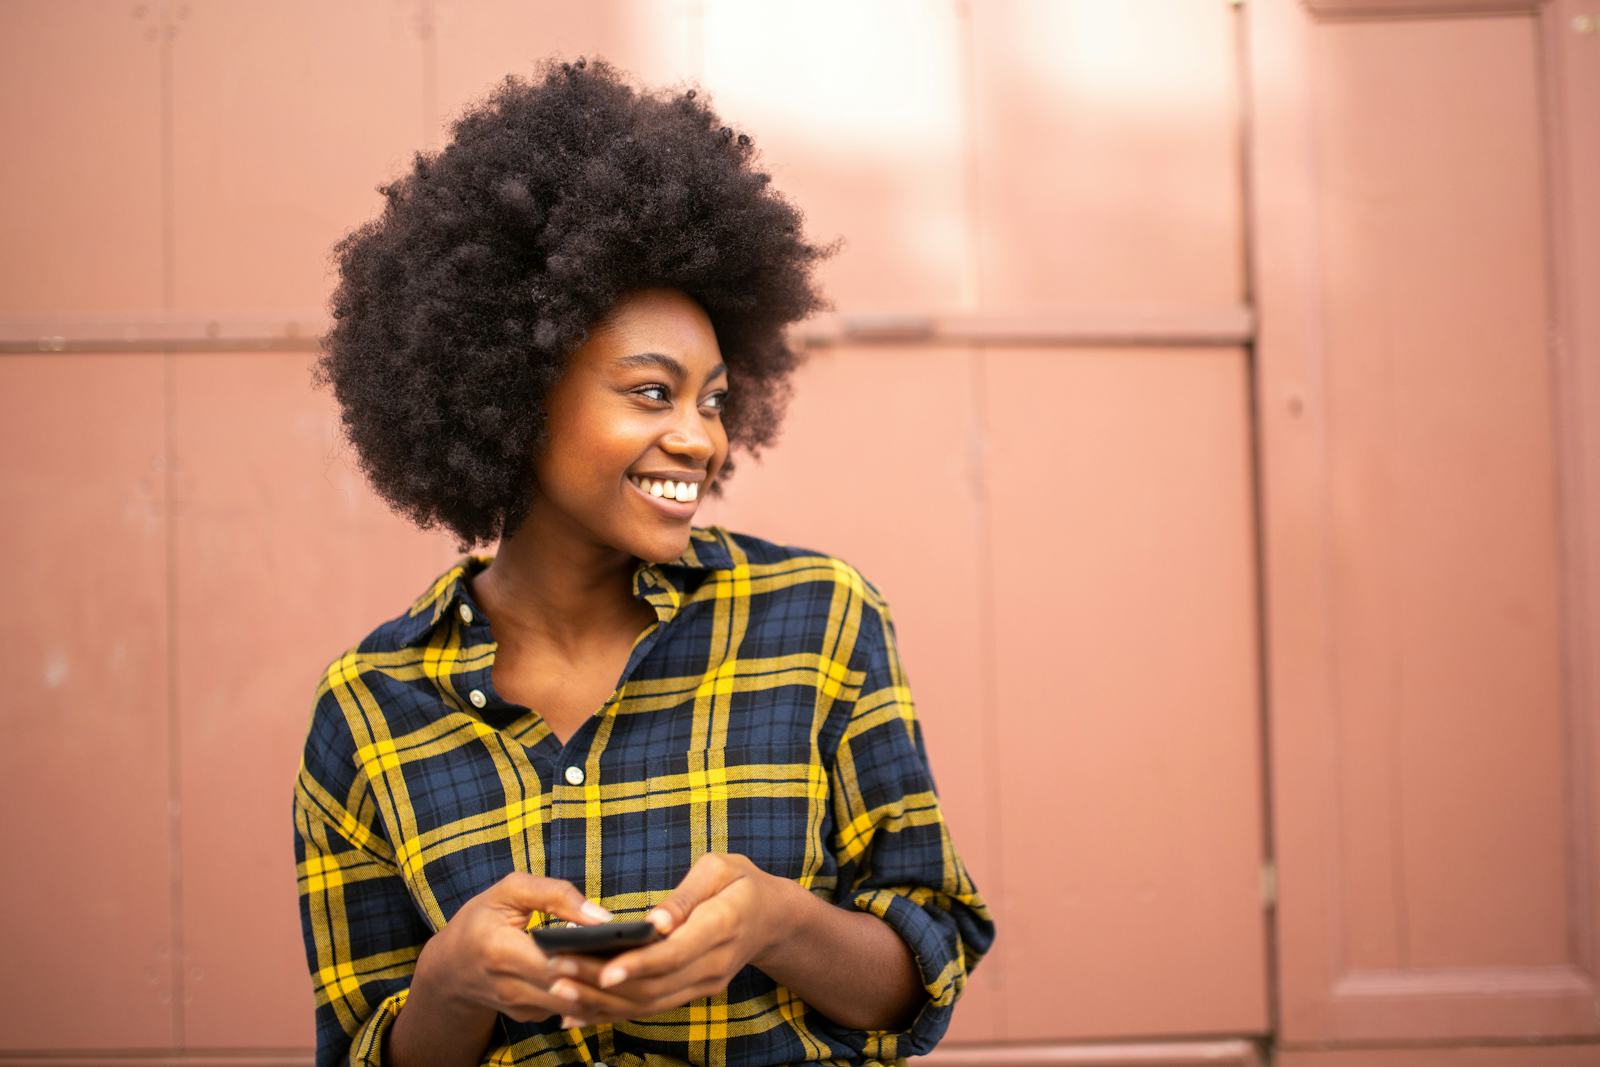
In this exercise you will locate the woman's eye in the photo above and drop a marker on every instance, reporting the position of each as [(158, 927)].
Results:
[(660, 394)]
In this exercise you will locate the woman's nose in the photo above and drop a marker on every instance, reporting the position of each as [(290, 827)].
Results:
[(689, 436)]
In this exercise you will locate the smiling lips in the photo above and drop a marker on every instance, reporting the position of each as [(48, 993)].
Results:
[(684, 492), (679, 499)]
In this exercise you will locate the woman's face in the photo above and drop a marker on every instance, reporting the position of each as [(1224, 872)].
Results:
[(635, 427)]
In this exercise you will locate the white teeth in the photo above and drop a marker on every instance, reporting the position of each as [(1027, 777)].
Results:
[(680, 491)]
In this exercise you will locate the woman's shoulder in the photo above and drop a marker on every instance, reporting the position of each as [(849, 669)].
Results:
[(784, 567), (422, 613), (776, 573), (358, 678)]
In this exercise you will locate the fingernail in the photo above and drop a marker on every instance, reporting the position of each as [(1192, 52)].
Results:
[(611, 976), (565, 990), (660, 919), (566, 967), (567, 1023), (595, 911)]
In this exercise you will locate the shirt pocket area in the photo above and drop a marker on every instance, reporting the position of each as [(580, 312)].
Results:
[(765, 801)]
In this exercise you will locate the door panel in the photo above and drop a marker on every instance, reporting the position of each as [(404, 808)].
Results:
[(1432, 841), (1127, 763)]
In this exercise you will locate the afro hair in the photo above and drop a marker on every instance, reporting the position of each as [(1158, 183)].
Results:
[(493, 258)]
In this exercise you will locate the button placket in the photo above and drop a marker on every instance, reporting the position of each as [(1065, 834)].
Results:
[(478, 696)]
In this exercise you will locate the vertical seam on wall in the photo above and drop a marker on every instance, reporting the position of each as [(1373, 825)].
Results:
[(971, 283), (1567, 432), (1245, 88), (169, 397), (1315, 361)]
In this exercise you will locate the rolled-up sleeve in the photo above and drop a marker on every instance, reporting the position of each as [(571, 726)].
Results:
[(362, 932), (895, 856)]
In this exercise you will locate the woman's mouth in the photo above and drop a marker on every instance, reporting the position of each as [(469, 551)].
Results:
[(678, 499)]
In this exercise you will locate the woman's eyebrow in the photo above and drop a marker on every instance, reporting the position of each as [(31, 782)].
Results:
[(666, 363)]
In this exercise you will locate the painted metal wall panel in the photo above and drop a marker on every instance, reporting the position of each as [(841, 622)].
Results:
[(1106, 144), (1442, 493), (284, 559), (85, 769), (82, 229), (1128, 769), (1433, 815), (285, 118)]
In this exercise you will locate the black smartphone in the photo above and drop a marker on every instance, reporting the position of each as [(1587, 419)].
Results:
[(606, 939)]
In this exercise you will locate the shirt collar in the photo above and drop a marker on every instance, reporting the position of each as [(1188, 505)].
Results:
[(663, 585)]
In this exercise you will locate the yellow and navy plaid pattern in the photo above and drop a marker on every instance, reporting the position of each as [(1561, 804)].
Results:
[(764, 713)]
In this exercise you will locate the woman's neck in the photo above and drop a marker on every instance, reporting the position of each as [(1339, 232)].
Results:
[(556, 590)]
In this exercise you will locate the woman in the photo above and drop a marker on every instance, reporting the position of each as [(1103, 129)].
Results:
[(552, 337)]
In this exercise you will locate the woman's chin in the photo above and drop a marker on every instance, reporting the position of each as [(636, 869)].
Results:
[(663, 547)]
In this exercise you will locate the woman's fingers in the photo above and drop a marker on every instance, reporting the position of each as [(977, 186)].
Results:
[(511, 955), (527, 1001), (700, 918), (529, 893), (705, 930), (585, 969), (710, 874), (579, 980), (684, 915), (664, 957), (654, 978), (587, 1004), (635, 999)]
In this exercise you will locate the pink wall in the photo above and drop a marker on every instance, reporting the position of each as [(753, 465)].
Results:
[(1075, 468)]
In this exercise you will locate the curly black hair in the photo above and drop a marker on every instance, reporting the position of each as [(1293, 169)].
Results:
[(493, 258)]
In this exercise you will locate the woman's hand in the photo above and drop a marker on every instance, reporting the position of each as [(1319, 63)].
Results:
[(483, 958), (726, 913)]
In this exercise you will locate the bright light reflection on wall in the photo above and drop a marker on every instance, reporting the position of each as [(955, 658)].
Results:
[(858, 69), (861, 106)]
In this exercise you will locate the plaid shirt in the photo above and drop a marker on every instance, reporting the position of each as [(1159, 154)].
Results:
[(764, 713)]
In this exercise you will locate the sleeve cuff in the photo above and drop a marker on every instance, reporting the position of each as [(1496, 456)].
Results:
[(366, 1048), (936, 947)]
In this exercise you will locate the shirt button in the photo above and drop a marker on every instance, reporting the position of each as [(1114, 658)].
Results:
[(575, 777), (466, 614), (477, 698)]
